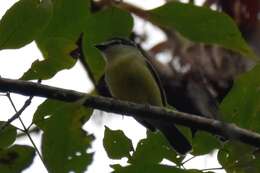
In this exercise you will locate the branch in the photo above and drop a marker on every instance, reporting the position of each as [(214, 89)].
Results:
[(34, 130), (18, 113), (143, 14), (25, 130), (208, 3), (225, 130), (134, 9)]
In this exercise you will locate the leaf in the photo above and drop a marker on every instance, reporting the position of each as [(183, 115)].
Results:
[(16, 158), (100, 26), (204, 143), (57, 58), (7, 136), (239, 158), (23, 22), (64, 142), (201, 24), (68, 20), (150, 168), (154, 149), (44, 112), (242, 104), (116, 144), (242, 107), (59, 38)]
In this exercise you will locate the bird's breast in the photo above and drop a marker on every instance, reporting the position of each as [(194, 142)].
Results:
[(132, 81)]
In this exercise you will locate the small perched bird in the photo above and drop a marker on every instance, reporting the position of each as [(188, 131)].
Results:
[(131, 77)]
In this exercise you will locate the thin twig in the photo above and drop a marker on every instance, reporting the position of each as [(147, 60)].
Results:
[(26, 104), (134, 9), (33, 130), (208, 3), (30, 125), (212, 169), (17, 113), (18, 128), (188, 160)]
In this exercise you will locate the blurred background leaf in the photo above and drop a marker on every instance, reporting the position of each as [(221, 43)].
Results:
[(200, 24)]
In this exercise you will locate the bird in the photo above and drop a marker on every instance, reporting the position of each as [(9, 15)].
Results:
[(131, 77)]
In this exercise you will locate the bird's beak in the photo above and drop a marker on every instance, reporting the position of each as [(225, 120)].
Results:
[(101, 47)]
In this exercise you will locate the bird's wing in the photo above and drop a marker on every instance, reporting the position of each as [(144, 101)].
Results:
[(157, 79)]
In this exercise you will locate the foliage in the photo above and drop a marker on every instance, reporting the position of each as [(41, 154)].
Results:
[(56, 25), (242, 104), (65, 145), (16, 158), (7, 136), (24, 22), (232, 159), (201, 24)]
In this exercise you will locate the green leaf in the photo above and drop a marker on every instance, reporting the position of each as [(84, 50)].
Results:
[(68, 20), (242, 107), (57, 57), (239, 158), (16, 158), (116, 144), (100, 26), (59, 38), (150, 168), (44, 112), (7, 136), (23, 22), (64, 142), (201, 24), (154, 149), (242, 104), (204, 143)]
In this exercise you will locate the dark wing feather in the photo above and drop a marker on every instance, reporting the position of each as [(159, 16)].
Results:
[(157, 79)]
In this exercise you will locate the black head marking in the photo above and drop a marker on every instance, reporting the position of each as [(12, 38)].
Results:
[(115, 41)]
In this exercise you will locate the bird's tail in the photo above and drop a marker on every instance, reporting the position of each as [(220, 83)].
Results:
[(176, 139)]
